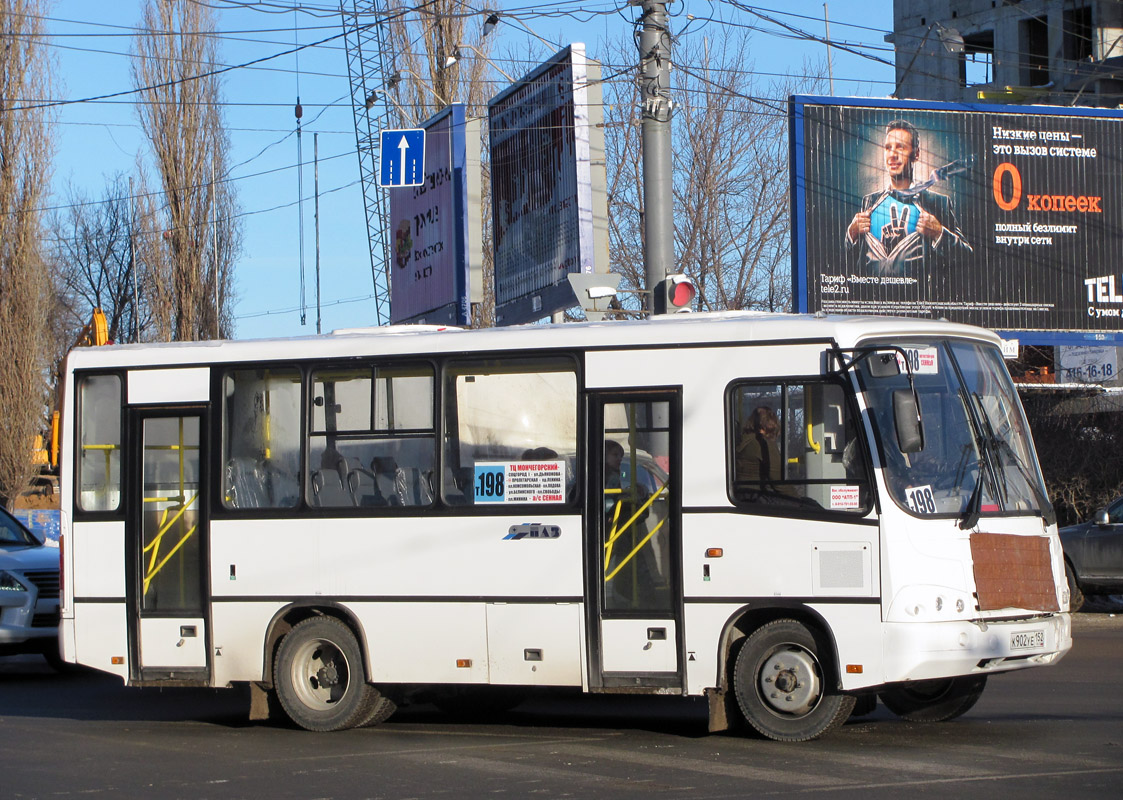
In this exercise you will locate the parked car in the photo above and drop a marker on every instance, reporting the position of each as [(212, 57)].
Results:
[(1094, 555), (29, 592)]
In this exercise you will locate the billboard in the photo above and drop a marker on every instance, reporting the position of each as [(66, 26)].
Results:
[(549, 207), (1009, 217), (435, 230)]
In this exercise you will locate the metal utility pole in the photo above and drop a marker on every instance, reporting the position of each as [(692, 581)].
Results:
[(369, 62), (655, 86)]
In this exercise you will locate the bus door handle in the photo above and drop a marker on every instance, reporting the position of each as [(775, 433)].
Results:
[(656, 634)]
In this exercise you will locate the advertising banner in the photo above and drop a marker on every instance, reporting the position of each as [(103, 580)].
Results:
[(549, 207), (1005, 217), (431, 228)]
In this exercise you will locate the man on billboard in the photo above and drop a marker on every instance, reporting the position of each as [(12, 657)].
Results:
[(907, 227)]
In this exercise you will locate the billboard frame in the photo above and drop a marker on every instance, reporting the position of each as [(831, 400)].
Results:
[(798, 171), (547, 287), (456, 275)]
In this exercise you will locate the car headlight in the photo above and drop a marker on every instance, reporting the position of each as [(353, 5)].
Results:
[(10, 583)]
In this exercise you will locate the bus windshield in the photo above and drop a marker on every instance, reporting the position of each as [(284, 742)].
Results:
[(976, 456)]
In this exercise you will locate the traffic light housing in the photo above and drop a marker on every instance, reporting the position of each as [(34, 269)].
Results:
[(674, 293)]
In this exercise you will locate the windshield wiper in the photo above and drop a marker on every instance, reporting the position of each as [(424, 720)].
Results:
[(1001, 447), (974, 508)]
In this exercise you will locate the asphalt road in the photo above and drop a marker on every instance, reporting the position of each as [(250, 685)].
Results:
[(1039, 733)]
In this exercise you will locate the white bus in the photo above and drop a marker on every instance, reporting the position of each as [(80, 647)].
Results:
[(359, 520)]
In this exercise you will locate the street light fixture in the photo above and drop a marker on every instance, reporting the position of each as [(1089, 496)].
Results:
[(456, 56)]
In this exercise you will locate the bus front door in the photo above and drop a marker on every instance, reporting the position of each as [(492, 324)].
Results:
[(634, 588), (167, 547)]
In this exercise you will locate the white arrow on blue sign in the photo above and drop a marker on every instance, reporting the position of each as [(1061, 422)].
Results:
[(403, 158)]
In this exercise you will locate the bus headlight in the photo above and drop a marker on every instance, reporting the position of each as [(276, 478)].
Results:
[(929, 602)]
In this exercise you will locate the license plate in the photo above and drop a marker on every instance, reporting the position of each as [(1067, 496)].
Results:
[(1027, 640)]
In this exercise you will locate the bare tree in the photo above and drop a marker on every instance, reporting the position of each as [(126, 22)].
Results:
[(25, 151), (95, 261), (730, 167), (176, 52), (1078, 435)]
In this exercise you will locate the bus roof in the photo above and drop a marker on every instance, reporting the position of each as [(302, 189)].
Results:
[(732, 327)]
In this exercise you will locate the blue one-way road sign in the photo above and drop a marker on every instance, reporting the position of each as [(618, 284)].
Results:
[(403, 158)]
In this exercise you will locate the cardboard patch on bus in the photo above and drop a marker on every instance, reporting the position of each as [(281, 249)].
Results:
[(1013, 572)]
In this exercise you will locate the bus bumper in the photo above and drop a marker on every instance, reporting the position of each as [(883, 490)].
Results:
[(920, 651)]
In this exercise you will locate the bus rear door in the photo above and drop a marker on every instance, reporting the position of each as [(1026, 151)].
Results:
[(166, 543)]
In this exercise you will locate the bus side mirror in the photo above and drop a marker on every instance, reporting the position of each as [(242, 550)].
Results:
[(906, 417), (884, 365)]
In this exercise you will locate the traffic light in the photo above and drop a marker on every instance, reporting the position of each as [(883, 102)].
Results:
[(674, 293)]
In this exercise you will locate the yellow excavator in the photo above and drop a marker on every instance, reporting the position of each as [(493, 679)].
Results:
[(94, 334)]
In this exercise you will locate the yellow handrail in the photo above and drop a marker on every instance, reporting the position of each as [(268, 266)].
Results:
[(615, 534), (635, 550), (165, 526)]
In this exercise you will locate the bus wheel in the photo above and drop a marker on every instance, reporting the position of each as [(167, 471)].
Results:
[(780, 685), (319, 677), (1075, 596), (936, 700), (381, 711)]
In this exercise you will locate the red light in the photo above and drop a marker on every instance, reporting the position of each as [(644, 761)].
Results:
[(682, 294)]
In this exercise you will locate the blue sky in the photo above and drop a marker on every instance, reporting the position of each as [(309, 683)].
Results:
[(94, 140)]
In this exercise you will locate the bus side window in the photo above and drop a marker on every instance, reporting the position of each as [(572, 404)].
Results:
[(797, 444), (261, 438), (99, 443), (497, 412), (379, 420)]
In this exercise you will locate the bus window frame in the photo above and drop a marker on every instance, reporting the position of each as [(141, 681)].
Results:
[(441, 363), (371, 365), (82, 514), (798, 510), (447, 401)]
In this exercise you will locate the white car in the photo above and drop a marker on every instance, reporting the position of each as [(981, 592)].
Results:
[(29, 589)]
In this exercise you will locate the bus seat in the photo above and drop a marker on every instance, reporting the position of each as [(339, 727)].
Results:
[(245, 484), (363, 486), (329, 483), (389, 480)]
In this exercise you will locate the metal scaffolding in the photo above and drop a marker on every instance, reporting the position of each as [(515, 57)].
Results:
[(370, 61)]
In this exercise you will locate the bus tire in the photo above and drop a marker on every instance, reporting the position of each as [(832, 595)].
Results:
[(319, 677), (781, 687), (864, 705), (1075, 595), (382, 709), (935, 700)]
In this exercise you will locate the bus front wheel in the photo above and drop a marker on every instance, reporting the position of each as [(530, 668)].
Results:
[(781, 687), (319, 677), (935, 700)]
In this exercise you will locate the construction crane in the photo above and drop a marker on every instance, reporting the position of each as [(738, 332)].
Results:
[(370, 62)]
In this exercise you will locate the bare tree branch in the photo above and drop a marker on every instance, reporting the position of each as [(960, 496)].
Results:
[(25, 298), (184, 125)]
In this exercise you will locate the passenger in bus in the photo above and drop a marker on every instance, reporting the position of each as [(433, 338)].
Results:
[(613, 457), (758, 454)]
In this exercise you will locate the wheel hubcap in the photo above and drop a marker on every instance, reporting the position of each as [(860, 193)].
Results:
[(320, 674), (789, 681)]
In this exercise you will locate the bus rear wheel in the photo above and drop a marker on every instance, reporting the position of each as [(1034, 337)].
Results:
[(781, 687), (935, 700), (319, 677)]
